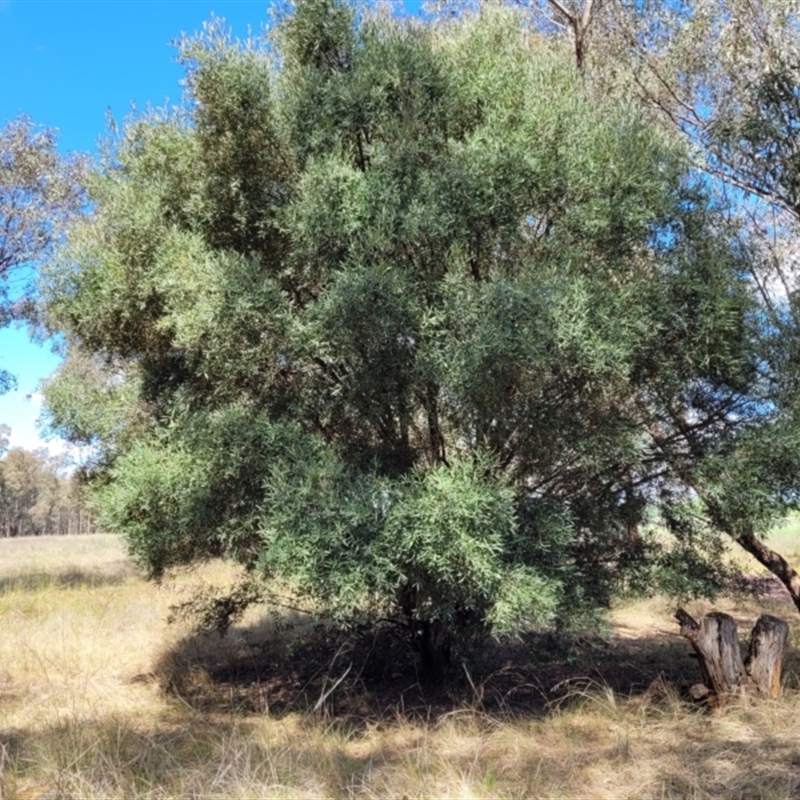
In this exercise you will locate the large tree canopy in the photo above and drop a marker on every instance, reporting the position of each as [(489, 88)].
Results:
[(404, 315)]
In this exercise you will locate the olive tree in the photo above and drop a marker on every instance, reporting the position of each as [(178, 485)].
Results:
[(411, 322)]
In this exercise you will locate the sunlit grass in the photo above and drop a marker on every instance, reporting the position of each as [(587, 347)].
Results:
[(83, 713), (786, 539)]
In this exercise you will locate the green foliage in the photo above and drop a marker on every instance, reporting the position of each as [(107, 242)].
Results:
[(39, 192), (90, 401), (399, 315)]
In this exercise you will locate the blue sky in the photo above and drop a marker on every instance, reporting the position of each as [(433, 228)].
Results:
[(67, 64)]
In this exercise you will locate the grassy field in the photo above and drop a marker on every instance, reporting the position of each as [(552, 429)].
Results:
[(101, 698)]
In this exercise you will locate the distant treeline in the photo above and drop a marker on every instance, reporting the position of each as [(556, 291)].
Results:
[(38, 499)]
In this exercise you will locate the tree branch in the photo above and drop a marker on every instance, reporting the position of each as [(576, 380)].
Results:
[(564, 12)]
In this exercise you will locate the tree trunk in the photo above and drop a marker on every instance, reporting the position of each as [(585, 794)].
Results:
[(765, 655), (775, 563), (433, 646), (715, 641), (580, 23), (745, 537), (428, 637)]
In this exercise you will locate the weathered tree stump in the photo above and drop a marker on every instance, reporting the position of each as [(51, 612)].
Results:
[(715, 640), (765, 655)]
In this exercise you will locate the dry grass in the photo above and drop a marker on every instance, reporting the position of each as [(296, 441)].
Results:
[(85, 651)]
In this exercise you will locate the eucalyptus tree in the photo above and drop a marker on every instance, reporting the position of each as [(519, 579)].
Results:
[(37, 498), (39, 191), (400, 314), (725, 75), (722, 76)]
